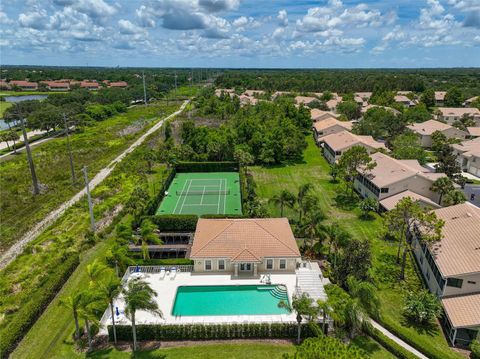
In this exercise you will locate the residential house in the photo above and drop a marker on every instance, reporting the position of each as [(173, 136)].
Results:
[(57, 85), (90, 85), (391, 176), (362, 98), (244, 247), (440, 98), (119, 84), (320, 115), (473, 132), (218, 92), (404, 100), (328, 126), (451, 269), (452, 114), (4, 85), (468, 102), (253, 93), (468, 155), (389, 203), (280, 93), (335, 144), (247, 100), (424, 131), (368, 107), (305, 100), (24, 85)]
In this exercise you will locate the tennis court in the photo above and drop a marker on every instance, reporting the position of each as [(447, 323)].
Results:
[(203, 193)]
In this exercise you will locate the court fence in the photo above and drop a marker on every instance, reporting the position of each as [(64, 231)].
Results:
[(224, 166)]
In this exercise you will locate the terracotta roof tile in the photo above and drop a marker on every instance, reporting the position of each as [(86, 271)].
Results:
[(463, 311)]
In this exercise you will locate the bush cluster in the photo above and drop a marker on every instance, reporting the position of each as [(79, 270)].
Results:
[(100, 112), (175, 222), (225, 166), (39, 300), (206, 332), (153, 204)]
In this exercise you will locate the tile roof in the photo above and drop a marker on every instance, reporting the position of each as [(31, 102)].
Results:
[(440, 95), (304, 99), (368, 107), (344, 139), (330, 122), (363, 95), (463, 311), (389, 203), (118, 84), (316, 114), (458, 252), (468, 148), (458, 111), (390, 170), (428, 127), (254, 92), (474, 131), (244, 239)]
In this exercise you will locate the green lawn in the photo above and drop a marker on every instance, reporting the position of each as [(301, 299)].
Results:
[(3, 107), (314, 169), (94, 147), (28, 93)]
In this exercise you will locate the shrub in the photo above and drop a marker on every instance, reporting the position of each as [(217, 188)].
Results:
[(326, 348), (422, 306), (226, 166), (207, 332), (475, 348), (29, 312), (175, 222)]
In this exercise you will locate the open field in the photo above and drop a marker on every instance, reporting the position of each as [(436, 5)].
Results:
[(3, 107), (94, 147), (314, 169), (203, 193)]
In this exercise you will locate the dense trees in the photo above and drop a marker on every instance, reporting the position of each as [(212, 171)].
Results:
[(407, 147), (454, 97), (352, 160), (380, 123), (350, 109)]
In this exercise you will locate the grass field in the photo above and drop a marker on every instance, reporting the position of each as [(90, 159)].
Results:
[(203, 193), (314, 169), (94, 147), (3, 107)]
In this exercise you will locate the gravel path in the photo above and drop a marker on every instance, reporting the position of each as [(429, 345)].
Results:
[(18, 247)]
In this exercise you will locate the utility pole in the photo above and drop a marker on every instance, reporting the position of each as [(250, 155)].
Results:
[(144, 89), (69, 148), (89, 198), (175, 83), (36, 189)]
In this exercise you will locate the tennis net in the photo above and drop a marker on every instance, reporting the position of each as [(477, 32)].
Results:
[(203, 193)]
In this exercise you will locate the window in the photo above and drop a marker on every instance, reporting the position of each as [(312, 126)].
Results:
[(283, 264), (454, 282), (269, 263), (338, 153), (221, 264), (208, 265), (384, 190)]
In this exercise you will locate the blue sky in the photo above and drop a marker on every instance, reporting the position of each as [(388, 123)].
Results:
[(241, 33)]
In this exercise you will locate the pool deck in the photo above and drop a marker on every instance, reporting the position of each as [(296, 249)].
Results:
[(166, 289)]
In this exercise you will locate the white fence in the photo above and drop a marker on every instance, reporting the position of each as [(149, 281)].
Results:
[(155, 269)]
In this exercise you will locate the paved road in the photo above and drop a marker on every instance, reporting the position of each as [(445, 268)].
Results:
[(29, 135), (398, 340), (17, 248)]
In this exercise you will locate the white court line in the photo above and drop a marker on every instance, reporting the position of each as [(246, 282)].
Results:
[(219, 196), (225, 197), (179, 198), (185, 196), (203, 194), (196, 205)]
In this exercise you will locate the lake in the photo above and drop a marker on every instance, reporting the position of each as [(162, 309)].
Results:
[(14, 99)]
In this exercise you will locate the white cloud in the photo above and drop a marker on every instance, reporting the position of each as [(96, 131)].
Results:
[(282, 18), (127, 27)]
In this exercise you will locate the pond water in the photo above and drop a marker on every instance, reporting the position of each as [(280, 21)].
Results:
[(14, 99)]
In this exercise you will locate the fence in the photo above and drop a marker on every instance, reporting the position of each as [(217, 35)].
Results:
[(156, 269)]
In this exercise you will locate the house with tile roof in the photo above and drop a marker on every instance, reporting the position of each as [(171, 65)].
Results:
[(24, 85), (391, 176), (451, 114), (329, 126), (473, 132), (244, 247), (425, 130), (468, 155), (335, 144), (451, 269), (468, 102), (440, 98), (404, 100), (319, 115)]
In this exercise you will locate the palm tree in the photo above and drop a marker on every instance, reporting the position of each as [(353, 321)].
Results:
[(95, 271), (89, 306), (303, 191), (442, 186), (139, 296), (73, 302), (454, 197), (365, 294), (109, 290), (118, 256), (148, 236), (312, 225), (325, 310), (285, 198), (337, 237), (303, 306)]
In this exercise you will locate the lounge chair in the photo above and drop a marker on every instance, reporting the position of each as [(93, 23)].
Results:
[(162, 273), (173, 273)]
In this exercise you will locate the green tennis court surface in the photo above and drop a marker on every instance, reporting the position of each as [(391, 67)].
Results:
[(203, 193)]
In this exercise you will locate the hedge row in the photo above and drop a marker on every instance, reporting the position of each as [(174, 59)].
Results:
[(424, 350), (153, 204), (175, 222), (158, 262), (206, 332), (223, 216), (29, 312), (397, 350), (226, 166)]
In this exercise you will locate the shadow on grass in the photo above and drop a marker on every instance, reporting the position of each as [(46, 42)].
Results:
[(346, 201), (429, 328), (367, 217), (366, 344), (110, 353)]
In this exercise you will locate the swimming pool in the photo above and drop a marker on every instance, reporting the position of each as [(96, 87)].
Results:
[(229, 300)]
